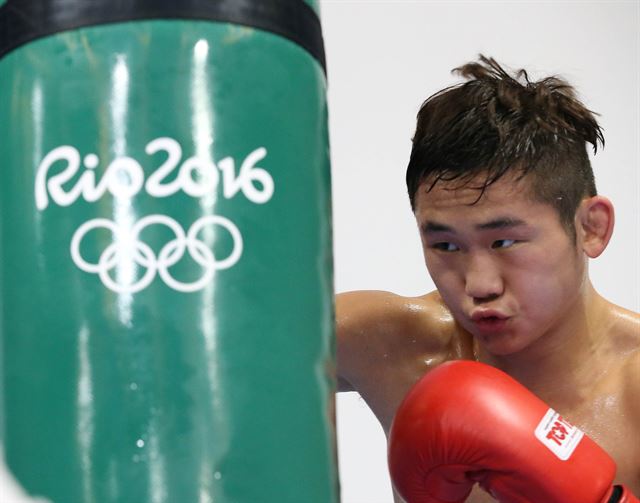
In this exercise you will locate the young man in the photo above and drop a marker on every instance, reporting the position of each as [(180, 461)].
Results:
[(505, 202)]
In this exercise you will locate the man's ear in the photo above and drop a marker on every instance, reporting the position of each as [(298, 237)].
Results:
[(594, 224)]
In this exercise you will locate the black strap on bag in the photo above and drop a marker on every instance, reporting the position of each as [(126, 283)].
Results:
[(22, 21)]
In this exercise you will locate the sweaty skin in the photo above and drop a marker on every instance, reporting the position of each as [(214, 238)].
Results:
[(512, 291)]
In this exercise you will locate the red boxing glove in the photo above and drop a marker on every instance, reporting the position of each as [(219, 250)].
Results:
[(466, 422)]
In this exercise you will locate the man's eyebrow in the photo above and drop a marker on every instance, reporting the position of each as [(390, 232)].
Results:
[(501, 223), (430, 226)]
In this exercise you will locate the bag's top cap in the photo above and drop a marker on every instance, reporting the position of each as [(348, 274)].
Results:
[(22, 21)]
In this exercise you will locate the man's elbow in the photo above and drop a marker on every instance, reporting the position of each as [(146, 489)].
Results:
[(344, 385)]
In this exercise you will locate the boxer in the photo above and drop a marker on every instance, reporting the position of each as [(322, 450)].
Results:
[(505, 201)]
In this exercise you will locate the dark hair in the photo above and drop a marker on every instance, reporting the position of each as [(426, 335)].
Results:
[(495, 123)]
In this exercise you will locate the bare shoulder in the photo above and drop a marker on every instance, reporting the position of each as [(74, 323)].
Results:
[(385, 311), (625, 328), (375, 327), (386, 342), (625, 333)]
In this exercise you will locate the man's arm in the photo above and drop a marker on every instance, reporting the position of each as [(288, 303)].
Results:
[(344, 385), (386, 342), (359, 316), (370, 328)]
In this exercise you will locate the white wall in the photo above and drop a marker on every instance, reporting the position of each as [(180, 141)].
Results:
[(384, 59)]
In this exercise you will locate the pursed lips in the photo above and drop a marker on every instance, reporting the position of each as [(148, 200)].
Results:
[(483, 314), (489, 320)]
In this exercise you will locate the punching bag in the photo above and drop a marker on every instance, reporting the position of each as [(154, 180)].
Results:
[(166, 291)]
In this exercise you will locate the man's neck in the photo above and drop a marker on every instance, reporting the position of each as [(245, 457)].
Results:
[(562, 365)]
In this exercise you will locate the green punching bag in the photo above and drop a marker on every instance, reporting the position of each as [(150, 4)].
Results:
[(166, 288)]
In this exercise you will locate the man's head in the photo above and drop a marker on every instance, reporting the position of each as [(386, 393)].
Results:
[(494, 124), (504, 197)]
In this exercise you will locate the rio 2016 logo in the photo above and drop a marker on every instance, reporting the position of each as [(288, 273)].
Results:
[(123, 178)]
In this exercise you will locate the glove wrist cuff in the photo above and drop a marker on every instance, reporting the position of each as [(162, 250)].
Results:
[(615, 495), (621, 494)]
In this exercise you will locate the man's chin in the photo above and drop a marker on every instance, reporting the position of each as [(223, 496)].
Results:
[(502, 344)]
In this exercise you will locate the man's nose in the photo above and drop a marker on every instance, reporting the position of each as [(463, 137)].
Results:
[(483, 278)]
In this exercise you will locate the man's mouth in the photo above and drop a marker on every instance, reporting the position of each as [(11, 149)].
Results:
[(489, 320)]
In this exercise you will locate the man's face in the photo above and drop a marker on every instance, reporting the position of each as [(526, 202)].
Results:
[(505, 266)]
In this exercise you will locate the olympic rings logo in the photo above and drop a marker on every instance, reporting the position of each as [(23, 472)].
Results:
[(127, 248)]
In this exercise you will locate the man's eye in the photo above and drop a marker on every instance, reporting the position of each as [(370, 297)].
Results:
[(448, 247), (503, 243)]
